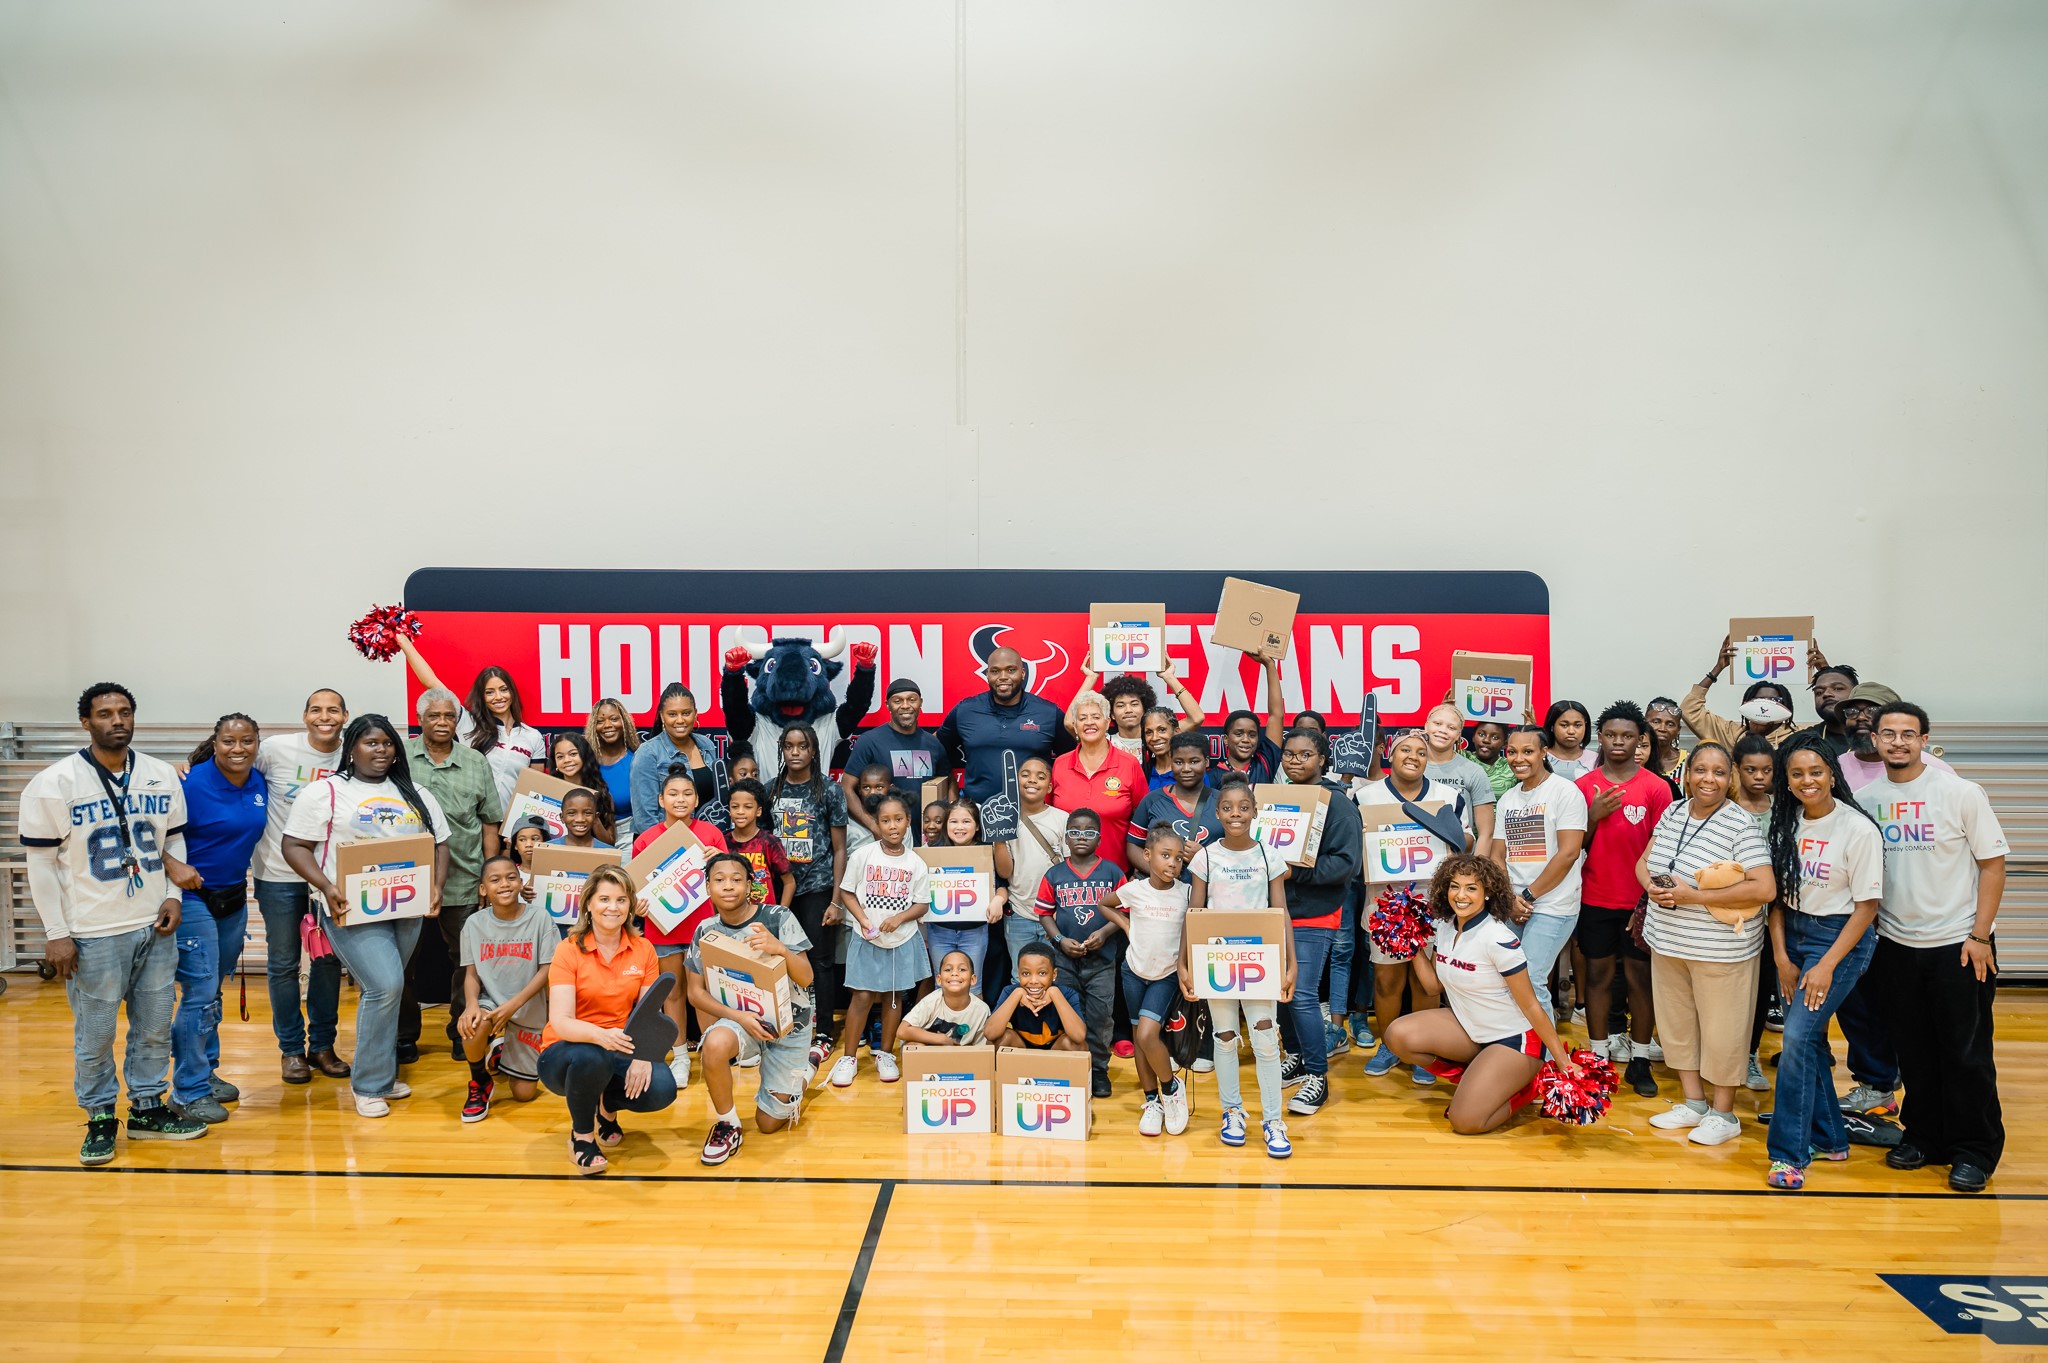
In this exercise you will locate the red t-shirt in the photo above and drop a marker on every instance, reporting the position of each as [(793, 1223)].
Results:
[(686, 931), (764, 853), (1113, 792), (1616, 843)]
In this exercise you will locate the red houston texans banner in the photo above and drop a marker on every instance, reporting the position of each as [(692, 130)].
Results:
[(571, 637)]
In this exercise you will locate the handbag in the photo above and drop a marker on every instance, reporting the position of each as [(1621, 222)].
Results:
[(1185, 1030), (225, 901), (312, 937)]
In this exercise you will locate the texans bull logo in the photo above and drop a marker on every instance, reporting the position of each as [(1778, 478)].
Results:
[(1044, 660)]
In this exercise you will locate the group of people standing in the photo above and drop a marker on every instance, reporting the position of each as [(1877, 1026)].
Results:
[(1841, 869)]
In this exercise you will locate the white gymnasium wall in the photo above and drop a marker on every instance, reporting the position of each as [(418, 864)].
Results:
[(1695, 309)]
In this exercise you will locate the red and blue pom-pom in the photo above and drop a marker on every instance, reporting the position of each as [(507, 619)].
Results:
[(1579, 1100), (1399, 927), (376, 635)]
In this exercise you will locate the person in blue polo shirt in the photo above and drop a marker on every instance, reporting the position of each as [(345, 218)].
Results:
[(227, 803), (1005, 719)]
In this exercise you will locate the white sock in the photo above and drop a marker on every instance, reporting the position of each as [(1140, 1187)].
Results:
[(730, 1115)]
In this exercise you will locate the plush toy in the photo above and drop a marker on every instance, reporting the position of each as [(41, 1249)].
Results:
[(793, 685), (1720, 876)]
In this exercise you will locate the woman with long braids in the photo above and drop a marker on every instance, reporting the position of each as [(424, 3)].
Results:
[(809, 814), (490, 720), (371, 795), (611, 736), (1828, 858), (676, 743), (571, 759)]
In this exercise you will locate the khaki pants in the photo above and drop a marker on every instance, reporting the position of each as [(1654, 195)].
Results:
[(1703, 1015)]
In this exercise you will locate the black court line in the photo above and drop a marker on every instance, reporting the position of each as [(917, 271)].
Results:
[(1178, 1185), (849, 1305)]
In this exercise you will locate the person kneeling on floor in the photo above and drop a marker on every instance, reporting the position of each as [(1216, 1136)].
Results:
[(506, 951)]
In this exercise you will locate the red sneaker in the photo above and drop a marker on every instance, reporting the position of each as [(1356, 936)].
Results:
[(722, 1144), (1124, 1050), (478, 1105)]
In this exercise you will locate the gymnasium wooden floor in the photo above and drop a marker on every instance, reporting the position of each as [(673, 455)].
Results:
[(299, 1230)]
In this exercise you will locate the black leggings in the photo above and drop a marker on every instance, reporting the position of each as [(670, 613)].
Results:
[(584, 1073), (809, 909)]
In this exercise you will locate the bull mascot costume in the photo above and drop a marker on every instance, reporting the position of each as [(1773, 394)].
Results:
[(793, 685)]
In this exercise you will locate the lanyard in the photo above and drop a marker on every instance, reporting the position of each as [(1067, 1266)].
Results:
[(117, 796), (1689, 833)]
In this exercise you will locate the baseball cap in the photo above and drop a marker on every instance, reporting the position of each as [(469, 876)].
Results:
[(1870, 693)]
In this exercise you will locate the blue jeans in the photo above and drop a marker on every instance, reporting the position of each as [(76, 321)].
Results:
[(207, 947), (375, 953), (283, 904), (1807, 1115), (1223, 1016), (1341, 949), (1543, 937), (1312, 948), (138, 968), (972, 938), (1020, 930), (1873, 1060)]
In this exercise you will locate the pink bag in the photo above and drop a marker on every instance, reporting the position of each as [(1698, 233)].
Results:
[(313, 937)]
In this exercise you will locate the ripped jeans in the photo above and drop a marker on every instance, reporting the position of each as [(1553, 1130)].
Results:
[(1223, 1019)]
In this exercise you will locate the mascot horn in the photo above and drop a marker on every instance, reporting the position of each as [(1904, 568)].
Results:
[(793, 685)]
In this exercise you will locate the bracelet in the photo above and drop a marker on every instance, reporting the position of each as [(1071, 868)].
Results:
[(1980, 941)]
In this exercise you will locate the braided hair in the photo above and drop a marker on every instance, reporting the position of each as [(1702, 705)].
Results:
[(400, 774), (204, 752), (816, 785), (1786, 812)]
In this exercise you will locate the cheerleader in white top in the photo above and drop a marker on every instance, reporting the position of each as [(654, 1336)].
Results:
[(1493, 1035)]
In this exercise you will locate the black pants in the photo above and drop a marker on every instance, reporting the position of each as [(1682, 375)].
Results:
[(809, 909), (1766, 995), (1939, 1014), (584, 1073), (452, 917), (1094, 978)]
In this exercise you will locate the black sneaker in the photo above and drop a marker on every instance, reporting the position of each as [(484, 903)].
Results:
[(1292, 1071), (158, 1123), (1867, 1128), (1640, 1079), (1100, 1087), (101, 1126), (1308, 1100), (1774, 1016), (408, 1052)]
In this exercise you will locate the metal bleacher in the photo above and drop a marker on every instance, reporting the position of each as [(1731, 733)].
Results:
[(2009, 760)]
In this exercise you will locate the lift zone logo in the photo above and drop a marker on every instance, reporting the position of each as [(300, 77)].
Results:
[(2003, 1310)]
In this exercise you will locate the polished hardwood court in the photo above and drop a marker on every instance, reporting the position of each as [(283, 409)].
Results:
[(298, 1229)]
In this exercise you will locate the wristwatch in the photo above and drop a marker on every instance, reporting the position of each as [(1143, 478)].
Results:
[(1527, 898)]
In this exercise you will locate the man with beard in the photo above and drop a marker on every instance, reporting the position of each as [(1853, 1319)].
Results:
[(1857, 714), (910, 755), (1004, 719), (1832, 684)]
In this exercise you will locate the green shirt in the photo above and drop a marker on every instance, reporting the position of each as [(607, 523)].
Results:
[(1498, 774), (463, 787)]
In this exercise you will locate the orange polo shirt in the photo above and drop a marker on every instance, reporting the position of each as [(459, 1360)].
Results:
[(605, 990)]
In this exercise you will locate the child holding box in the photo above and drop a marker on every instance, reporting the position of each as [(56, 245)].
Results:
[(1037, 1014), (884, 892), (951, 1015), (678, 805), (1067, 903), (1243, 875), (732, 1037), (1151, 913), (963, 829), (505, 956), (580, 821)]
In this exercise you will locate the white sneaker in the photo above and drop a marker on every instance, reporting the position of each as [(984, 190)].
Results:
[(1618, 1049), (887, 1068), (1715, 1129), (1177, 1109), (1152, 1119), (1677, 1119), (842, 1072), (1204, 1065), (1755, 1078), (366, 1106), (400, 1089), (1649, 1050), (680, 1068)]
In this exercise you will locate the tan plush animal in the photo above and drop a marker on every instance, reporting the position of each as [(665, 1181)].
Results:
[(1720, 876)]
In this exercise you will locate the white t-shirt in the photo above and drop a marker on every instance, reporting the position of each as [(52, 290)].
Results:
[(1239, 881), (1156, 916), (1572, 768), (1473, 966), (1527, 822), (1028, 861), (1134, 746), (1841, 862), (518, 748), (1860, 772), (290, 763), (930, 1014), (339, 809), (1936, 828), (886, 886), (65, 807), (1683, 846)]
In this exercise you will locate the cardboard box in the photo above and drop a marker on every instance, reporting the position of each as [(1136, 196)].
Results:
[(1237, 955), (963, 881), (1123, 637), (948, 1090), (384, 879), (1770, 648), (670, 874), (1491, 688), (559, 873), (1290, 820), (1396, 847), (938, 790), (1044, 1094), (747, 981), (537, 793), (1258, 620)]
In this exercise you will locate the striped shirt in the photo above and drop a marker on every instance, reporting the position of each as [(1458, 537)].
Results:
[(1683, 846)]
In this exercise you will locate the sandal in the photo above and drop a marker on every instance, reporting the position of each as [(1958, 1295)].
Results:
[(1787, 1177), (587, 1157), (609, 1132)]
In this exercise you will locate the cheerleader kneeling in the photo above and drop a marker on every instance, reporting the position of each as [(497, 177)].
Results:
[(1492, 1037)]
